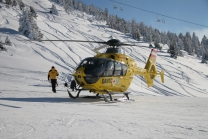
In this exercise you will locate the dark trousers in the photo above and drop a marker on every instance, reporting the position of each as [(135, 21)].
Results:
[(53, 83)]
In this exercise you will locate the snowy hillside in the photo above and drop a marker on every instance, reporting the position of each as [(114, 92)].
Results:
[(30, 110)]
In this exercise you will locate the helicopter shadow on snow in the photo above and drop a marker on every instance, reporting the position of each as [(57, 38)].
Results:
[(81, 99)]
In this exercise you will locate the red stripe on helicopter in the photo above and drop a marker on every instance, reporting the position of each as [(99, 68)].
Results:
[(153, 53)]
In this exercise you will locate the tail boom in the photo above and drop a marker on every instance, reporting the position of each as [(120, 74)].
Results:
[(150, 71)]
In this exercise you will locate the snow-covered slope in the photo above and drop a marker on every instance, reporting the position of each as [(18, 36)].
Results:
[(30, 110)]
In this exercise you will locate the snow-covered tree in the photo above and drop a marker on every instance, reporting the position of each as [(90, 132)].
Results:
[(203, 41), (9, 2), (188, 43), (1, 45), (33, 12), (121, 25), (149, 35), (54, 10), (162, 36), (195, 44), (61, 2), (8, 41), (142, 29), (204, 44), (79, 6), (2, 48), (156, 37), (128, 27), (180, 47), (134, 30), (67, 8), (138, 34), (21, 5), (75, 3), (172, 37), (84, 7), (15, 3), (173, 49), (105, 14), (71, 3), (180, 44), (28, 26)]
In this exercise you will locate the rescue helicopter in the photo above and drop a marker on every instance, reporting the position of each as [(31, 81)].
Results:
[(110, 72)]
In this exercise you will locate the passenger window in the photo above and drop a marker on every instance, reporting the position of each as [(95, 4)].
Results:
[(109, 66), (124, 69), (109, 69), (117, 71)]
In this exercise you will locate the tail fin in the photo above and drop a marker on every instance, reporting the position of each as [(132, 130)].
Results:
[(151, 71)]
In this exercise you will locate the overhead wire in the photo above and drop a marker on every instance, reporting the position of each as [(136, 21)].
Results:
[(159, 14)]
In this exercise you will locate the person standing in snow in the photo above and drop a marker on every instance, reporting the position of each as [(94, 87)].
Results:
[(52, 74)]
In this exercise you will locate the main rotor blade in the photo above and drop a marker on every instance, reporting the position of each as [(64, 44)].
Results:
[(67, 40), (125, 44), (98, 48), (112, 42), (132, 43)]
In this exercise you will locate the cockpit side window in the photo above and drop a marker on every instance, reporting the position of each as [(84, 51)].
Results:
[(82, 63)]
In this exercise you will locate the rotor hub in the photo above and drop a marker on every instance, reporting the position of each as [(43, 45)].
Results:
[(113, 42)]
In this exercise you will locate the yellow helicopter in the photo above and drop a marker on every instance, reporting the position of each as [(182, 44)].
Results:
[(110, 72)]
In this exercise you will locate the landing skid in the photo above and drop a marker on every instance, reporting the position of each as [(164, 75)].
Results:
[(74, 97), (126, 94)]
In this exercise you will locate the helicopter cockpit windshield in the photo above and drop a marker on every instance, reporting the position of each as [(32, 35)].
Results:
[(95, 66)]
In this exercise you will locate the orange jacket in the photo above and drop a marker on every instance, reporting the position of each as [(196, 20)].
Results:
[(53, 73)]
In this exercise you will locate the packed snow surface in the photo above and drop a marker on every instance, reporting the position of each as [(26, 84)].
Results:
[(28, 109)]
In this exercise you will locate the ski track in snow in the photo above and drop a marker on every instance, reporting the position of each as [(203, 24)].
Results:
[(183, 76), (136, 56), (55, 55), (188, 67)]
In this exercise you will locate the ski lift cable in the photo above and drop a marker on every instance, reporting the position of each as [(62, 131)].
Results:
[(160, 14)]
